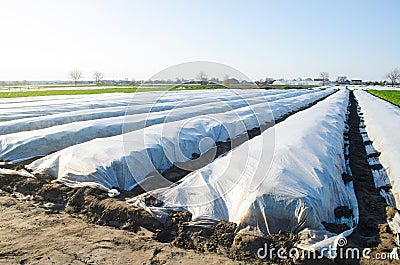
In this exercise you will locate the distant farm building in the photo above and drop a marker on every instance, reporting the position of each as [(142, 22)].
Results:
[(297, 82), (356, 82), (233, 81)]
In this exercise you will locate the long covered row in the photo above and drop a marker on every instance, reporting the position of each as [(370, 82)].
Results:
[(289, 178), (14, 111), (28, 144), (382, 124)]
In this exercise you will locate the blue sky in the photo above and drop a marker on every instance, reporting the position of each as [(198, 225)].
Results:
[(44, 40)]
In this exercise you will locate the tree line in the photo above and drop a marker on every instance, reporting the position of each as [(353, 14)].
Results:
[(393, 76), (76, 75)]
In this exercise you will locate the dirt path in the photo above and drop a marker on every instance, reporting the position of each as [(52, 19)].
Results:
[(30, 234)]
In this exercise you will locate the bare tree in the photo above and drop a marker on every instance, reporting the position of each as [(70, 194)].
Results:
[(325, 77), (393, 76), (225, 82), (202, 76), (98, 76), (75, 75), (341, 79)]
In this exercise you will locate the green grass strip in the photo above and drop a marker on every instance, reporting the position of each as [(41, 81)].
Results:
[(392, 96)]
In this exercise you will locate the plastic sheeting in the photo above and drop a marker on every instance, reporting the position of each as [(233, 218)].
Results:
[(26, 107), (45, 100), (382, 120), (124, 161), (299, 190), (14, 111), (28, 144), (35, 123)]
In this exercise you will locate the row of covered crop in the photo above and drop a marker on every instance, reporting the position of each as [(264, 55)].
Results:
[(381, 124)]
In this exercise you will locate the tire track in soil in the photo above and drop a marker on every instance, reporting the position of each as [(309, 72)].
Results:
[(372, 230)]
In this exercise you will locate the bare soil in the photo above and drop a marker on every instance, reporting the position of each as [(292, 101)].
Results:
[(31, 233)]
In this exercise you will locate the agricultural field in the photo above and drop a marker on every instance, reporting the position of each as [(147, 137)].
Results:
[(189, 174)]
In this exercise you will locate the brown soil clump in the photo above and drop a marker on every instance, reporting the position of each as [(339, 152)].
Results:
[(391, 212), (217, 238), (245, 247), (335, 228)]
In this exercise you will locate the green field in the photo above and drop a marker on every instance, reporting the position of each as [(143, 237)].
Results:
[(389, 95), (36, 93)]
